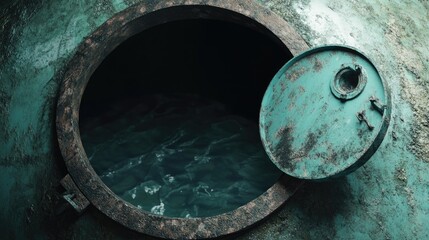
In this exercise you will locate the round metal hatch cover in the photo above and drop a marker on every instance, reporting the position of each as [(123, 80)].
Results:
[(325, 113)]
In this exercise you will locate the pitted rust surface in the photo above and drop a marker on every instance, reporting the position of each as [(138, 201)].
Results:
[(94, 49), (318, 65), (284, 148), (294, 75), (290, 158), (387, 192)]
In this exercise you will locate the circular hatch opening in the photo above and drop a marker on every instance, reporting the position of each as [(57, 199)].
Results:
[(169, 119), (228, 70)]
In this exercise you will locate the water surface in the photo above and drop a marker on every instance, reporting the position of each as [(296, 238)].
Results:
[(178, 156)]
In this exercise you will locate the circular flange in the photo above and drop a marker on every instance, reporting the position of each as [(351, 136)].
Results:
[(87, 58), (349, 82), (325, 113)]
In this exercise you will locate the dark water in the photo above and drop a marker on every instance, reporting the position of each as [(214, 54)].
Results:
[(178, 156)]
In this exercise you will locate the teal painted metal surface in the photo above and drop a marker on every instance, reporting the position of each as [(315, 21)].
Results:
[(323, 115), (387, 198)]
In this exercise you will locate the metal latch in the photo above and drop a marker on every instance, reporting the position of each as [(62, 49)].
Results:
[(377, 105), (362, 118)]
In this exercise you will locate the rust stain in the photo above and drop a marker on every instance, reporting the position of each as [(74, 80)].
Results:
[(283, 86), (294, 74), (317, 65)]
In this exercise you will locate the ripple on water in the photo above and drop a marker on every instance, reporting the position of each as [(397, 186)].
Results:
[(179, 156)]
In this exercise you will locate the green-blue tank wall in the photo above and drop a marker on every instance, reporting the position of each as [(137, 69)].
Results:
[(387, 198)]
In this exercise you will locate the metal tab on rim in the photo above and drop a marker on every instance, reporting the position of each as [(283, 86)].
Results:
[(325, 113)]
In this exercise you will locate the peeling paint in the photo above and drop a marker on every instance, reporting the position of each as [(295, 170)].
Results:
[(385, 199)]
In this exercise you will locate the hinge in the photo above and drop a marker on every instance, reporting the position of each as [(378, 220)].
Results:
[(73, 195)]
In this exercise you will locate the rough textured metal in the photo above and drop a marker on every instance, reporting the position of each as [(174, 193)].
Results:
[(310, 132), (384, 199), (73, 195), (87, 58)]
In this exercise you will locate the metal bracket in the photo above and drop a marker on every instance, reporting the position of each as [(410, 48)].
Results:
[(73, 195), (362, 117), (377, 105)]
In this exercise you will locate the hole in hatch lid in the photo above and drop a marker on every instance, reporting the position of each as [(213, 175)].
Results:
[(348, 80)]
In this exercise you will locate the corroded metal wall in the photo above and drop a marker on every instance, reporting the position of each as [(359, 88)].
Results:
[(386, 198)]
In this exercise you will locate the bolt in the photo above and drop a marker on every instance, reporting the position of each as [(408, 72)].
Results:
[(375, 102), (362, 117)]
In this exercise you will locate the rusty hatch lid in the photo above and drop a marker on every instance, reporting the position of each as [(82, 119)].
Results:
[(325, 113)]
